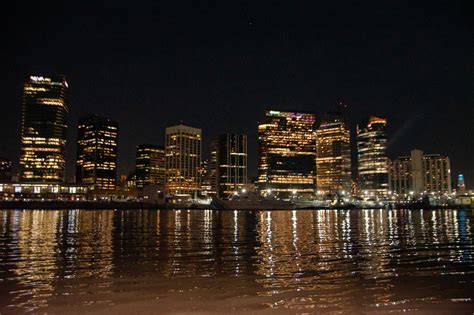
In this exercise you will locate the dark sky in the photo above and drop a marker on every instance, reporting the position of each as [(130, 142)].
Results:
[(218, 65)]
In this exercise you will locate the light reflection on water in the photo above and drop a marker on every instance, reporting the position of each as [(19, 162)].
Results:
[(322, 260)]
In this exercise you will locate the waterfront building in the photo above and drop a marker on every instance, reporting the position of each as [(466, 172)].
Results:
[(97, 152), (230, 166), (150, 165), (372, 158), (213, 166), (205, 173), (420, 174), (43, 129), (43, 191), (333, 155), (287, 152), (437, 174), (5, 170), (183, 160)]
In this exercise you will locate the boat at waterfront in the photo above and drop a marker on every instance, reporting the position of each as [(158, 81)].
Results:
[(251, 201)]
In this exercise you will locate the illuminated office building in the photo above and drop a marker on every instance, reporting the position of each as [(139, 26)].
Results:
[(43, 129), (287, 151), (150, 165), (97, 152), (372, 158), (183, 160), (333, 155), (5, 170), (437, 173), (420, 174), (231, 163)]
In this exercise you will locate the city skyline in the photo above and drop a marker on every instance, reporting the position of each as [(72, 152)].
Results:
[(413, 70), (282, 135)]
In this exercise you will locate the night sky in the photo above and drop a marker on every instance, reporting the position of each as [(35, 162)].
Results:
[(219, 65)]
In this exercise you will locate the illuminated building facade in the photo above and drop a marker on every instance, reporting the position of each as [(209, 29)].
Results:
[(372, 158), (43, 129), (287, 152), (150, 165), (97, 152), (437, 173), (333, 158), (5, 170), (420, 174), (231, 163), (43, 191), (183, 160)]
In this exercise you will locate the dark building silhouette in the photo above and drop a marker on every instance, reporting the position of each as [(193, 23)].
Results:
[(229, 162), (150, 165), (5, 170)]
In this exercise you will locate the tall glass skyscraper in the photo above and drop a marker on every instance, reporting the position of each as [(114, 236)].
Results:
[(150, 165), (183, 160), (97, 152), (287, 151), (333, 161), (43, 129), (231, 163), (372, 157)]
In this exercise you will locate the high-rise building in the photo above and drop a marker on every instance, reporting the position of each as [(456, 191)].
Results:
[(372, 158), (287, 151), (333, 155), (437, 173), (43, 129), (230, 151), (213, 166), (183, 160), (5, 170), (400, 181), (420, 174), (150, 165), (207, 190), (97, 152)]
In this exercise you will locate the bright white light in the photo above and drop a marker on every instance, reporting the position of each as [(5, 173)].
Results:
[(244, 190)]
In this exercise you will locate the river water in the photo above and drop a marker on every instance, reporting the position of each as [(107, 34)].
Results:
[(199, 261)]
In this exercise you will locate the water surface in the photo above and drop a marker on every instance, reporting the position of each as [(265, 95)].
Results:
[(321, 261)]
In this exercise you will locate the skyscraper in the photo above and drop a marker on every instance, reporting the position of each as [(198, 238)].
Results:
[(420, 174), (183, 160), (437, 173), (207, 190), (333, 158), (97, 152), (150, 165), (287, 151), (43, 129), (372, 157), (231, 163)]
